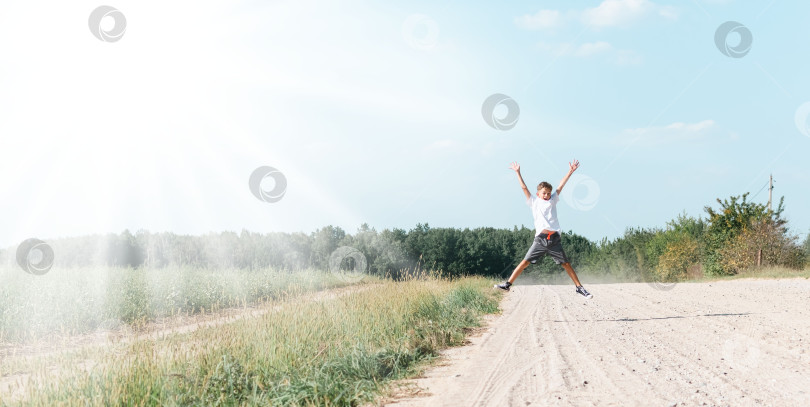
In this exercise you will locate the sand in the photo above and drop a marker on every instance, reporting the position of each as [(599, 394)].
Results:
[(729, 343)]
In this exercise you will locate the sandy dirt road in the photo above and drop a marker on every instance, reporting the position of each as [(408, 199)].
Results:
[(731, 343)]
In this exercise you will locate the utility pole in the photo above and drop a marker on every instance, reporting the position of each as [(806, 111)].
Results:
[(770, 212)]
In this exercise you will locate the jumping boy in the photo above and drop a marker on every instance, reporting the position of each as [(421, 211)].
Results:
[(547, 235)]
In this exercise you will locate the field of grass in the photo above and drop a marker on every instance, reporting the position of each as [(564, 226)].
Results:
[(770, 272), (71, 301), (334, 351)]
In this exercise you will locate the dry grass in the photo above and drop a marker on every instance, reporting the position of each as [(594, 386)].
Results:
[(770, 272), (331, 351), (82, 300)]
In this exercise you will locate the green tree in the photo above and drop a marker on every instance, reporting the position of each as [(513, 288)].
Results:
[(625, 257), (764, 242), (324, 241), (672, 252), (735, 215), (124, 251), (680, 258)]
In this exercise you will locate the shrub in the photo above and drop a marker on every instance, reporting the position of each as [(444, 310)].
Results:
[(673, 252), (680, 256), (777, 246), (735, 216)]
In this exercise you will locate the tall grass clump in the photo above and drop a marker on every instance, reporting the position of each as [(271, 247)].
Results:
[(68, 301), (337, 351)]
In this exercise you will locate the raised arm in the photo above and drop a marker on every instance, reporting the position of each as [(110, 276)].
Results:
[(572, 166), (516, 167)]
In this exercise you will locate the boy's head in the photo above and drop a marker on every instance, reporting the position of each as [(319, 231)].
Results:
[(544, 191)]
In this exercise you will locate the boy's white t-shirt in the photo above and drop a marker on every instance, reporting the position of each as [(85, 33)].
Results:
[(544, 213)]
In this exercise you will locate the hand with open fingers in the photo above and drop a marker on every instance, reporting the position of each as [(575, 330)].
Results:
[(515, 166), (572, 166)]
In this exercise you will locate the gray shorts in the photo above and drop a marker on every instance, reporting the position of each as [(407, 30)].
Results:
[(546, 245)]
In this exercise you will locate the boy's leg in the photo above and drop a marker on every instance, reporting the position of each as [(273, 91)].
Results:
[(571, 273), (519, 269), (555, 250), (536, 251)]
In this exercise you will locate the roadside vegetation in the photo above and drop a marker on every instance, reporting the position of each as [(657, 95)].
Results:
[(738, 238), (769, 272), (331, 350), (338, 351), (69, 301), (734, 235)]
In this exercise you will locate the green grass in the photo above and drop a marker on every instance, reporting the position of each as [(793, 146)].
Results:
[(333, 352), (767, 272), (80, 300)]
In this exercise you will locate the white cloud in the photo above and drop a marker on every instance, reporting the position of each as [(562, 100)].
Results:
[(671, 133), (609, 13), (619, 13), (615, 12), (543, 19)]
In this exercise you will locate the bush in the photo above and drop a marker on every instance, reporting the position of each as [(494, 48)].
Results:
[(673, 252), (735, 216), (624, 257), (777, 246), (680, 257)]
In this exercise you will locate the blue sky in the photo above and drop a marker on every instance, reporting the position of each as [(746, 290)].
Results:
[(373, 113)]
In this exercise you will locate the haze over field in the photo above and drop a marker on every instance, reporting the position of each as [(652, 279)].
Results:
[(373, 113)]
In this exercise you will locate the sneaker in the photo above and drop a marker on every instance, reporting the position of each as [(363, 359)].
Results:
[(584, 292), (504, 286)]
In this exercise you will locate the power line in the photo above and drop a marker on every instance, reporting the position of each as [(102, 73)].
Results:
[(761, 189)]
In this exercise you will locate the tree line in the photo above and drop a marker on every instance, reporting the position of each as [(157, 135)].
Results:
[(736, 236)]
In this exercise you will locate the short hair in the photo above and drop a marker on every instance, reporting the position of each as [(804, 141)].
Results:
[(544, 184)]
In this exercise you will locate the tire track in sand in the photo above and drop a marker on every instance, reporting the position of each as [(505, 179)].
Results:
[(634, 345)]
